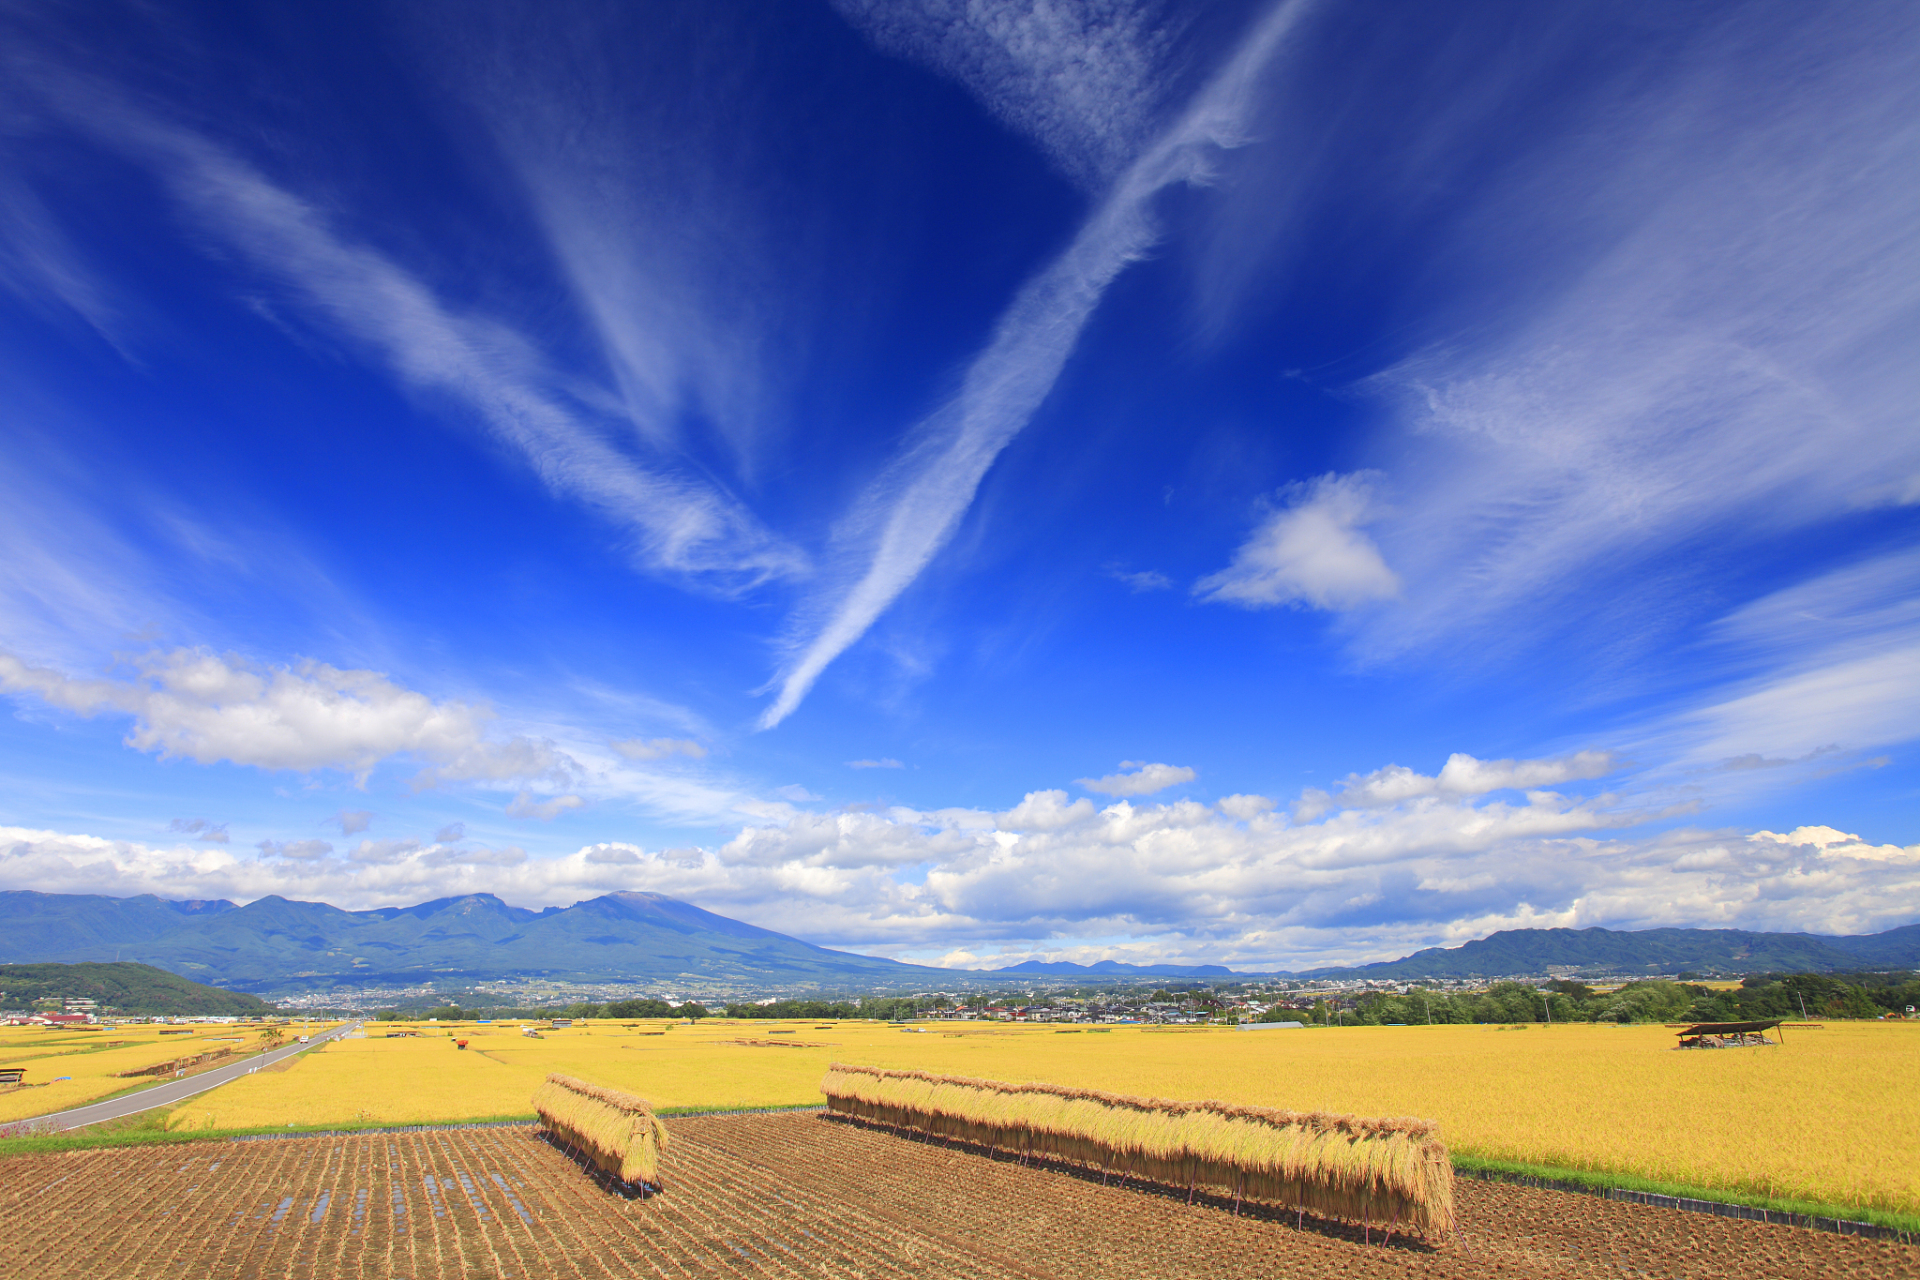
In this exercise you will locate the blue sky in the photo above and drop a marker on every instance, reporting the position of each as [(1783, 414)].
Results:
[(963, 480)]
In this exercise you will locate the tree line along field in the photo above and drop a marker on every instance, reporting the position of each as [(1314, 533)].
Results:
[(1832, 1115), (792, 1195), (97, 1062), (1757, 996)]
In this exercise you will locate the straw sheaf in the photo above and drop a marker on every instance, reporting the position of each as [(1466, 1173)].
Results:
[(1387, 1172), (616, 1130)]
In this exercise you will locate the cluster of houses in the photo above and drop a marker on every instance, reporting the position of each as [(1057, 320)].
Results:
[(78, 1012), (73, 1013), (1119, 1011)]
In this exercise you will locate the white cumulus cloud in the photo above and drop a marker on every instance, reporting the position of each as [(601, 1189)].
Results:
[(383, 850), (1143, 780), (196, 705), (1462, 775), (302, 849), (525, 805), (1311, 551), (1238, 882), (352, 821)]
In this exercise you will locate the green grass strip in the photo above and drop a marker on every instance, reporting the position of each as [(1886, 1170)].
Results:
[(1602, 1181), (148, 1129), (738, 1110), (114, 1134)]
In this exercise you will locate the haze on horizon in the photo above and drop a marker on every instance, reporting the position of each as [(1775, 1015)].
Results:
[(969, 480)]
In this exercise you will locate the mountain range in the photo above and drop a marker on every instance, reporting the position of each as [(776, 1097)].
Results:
[(276, 945), (1512, 952)]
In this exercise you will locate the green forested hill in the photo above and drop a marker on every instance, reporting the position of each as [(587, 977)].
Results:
[(124, 988)]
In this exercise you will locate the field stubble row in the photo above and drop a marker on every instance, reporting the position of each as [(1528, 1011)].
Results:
[(787, 1195)]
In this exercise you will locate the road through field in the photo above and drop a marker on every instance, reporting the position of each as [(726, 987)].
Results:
[(164, 1095)]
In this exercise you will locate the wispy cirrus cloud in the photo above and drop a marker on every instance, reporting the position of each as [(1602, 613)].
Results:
[(646, 749), (1816, 674), (1142, 580), (911, 511), (40, 265), (681, 522), (1705, 349), (660, 218), (1084, 80)]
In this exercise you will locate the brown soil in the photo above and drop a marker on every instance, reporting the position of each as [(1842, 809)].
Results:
[(789, 1195), (183, 1067)]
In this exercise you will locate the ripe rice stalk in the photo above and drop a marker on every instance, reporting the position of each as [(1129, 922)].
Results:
[(616, 1130), (1388, 1173)]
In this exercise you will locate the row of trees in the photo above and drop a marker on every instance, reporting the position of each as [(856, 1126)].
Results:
[(1760, 997)]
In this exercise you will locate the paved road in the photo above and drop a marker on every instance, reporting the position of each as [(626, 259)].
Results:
[(164, 1095)]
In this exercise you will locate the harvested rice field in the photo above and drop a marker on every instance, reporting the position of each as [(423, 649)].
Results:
[(788, 1195)]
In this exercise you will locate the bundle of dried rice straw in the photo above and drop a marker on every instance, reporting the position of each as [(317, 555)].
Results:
[(616, 1130), (1388, 1173)]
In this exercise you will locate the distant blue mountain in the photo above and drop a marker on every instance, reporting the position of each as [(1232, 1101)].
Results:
[(1531, 952), (276, 944)]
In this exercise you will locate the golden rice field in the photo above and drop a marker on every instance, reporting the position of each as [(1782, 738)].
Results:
[(93, 1060), (1832, 1115)]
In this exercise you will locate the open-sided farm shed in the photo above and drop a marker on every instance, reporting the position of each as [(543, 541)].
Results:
[(1726, 1035)]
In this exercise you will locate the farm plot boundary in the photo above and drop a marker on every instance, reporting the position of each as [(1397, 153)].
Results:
[(1768, 1212), (788, 1196)]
